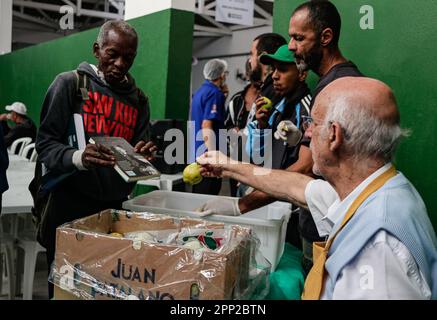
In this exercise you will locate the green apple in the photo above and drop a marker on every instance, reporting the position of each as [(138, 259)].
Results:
[(191, 174), (267, 104)]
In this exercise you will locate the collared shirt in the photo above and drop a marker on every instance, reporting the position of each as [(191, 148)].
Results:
[(338, 209), (384, 269), (208, 103)]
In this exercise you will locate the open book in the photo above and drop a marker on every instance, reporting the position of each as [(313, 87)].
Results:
[(130, 165)]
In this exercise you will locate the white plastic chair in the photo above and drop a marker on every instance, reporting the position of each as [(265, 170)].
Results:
[(27, 242), (7, 248), (28, 150), (18, 145), (33, 155)]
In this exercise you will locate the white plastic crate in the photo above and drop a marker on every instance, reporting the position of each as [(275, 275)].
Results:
[(269, 222)]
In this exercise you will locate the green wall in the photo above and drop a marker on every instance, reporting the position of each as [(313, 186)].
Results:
[(401, 51), (162, 67)]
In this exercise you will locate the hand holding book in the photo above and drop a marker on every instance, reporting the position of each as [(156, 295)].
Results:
[(146, 149), (97, 155), (118, 153)]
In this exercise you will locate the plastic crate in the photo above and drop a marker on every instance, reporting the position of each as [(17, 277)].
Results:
[(269, 222)]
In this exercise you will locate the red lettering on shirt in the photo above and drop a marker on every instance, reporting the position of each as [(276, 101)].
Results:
[(134, 118), (91, 125), (99, 116), (128, 115), (100, 124), (119, 111), (87, 106), (110, 125)]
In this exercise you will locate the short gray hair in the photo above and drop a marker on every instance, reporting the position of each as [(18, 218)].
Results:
[(365, 135), (116, 25), (214, 69)]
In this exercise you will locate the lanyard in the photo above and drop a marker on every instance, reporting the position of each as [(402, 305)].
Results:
[(280, 108), (316, 278)]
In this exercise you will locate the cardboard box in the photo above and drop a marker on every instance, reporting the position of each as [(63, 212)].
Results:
[(91, 264), (268, 223)]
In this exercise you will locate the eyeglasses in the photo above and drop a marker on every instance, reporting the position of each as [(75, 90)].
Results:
[(306, 122)]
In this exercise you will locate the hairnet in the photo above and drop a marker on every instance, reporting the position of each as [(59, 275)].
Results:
[(214, 69)]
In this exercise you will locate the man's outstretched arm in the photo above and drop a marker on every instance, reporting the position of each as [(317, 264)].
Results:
[(280, 184)]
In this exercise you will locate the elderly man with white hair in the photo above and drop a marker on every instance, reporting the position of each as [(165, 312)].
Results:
[(380, 241), (208, 114)]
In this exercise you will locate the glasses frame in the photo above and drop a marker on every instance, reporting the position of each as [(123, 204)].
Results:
[(306, 122)]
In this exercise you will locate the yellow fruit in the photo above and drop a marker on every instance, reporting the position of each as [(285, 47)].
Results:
[(267, 104), (116, 234), (191, 174)]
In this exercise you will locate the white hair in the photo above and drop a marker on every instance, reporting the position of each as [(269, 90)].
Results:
[(116, 25), (365, 135)]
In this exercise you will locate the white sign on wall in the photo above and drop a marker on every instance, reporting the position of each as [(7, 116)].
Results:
[(235, 11)]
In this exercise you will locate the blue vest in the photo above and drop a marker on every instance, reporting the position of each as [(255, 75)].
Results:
[(398, 209)]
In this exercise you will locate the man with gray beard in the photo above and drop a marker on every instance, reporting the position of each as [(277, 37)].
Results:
[(315, 31)]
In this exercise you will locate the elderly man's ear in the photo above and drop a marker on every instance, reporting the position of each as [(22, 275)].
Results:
[(336, 136)]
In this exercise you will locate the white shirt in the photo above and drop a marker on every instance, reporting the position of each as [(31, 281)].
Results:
[(384, 269)]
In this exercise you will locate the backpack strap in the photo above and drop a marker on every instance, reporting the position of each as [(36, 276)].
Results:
[(82, 84)]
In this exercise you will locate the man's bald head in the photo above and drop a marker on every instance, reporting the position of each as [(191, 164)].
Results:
[(367, 112), (369, 94)]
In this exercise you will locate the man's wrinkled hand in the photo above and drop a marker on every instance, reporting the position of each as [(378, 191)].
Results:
[(213, 158), (97, 155), (146, 149), (212, 163), (210, 171)]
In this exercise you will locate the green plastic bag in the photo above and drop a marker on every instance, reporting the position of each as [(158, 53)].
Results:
[(286, 283)]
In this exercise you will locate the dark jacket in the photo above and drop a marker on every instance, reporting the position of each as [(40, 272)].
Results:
[(236, 113), (113, 111), (283, 154), (25, 129)]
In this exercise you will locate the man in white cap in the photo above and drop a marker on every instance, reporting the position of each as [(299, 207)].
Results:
[(24, 126)]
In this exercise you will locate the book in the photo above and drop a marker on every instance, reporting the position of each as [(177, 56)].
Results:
[(130, 165), (75, 139), (76, 132)]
